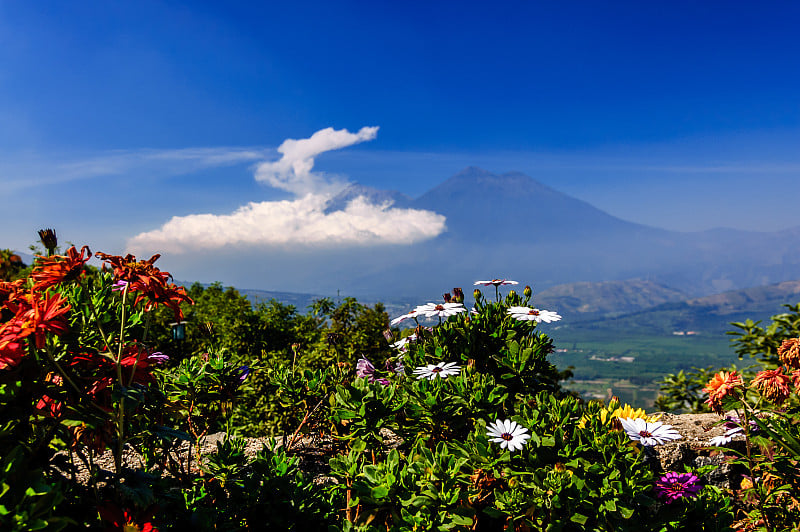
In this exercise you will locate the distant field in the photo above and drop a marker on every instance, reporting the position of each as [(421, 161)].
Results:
[(631, 365)]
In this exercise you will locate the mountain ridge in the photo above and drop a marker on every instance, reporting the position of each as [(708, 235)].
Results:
[(511, 225)]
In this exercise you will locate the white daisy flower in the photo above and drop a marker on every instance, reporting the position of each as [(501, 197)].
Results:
[(648, 433), (442, 369), (726, 438), (442, 310), (508, 434), (403, 317), (533, 314), (401, 344), (495, 282)]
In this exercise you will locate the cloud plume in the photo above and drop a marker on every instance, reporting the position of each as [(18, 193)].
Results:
[(299, 222), (293, 171)]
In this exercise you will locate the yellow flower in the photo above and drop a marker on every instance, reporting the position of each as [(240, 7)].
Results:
[(614, 411)]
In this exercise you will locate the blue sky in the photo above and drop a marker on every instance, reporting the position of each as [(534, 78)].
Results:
[(116, 117)]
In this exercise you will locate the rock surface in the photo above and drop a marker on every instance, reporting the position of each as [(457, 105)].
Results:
[(692, 449)]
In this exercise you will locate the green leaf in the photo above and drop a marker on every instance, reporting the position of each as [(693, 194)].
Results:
[(379, 492), (627, 513), (579, 518)]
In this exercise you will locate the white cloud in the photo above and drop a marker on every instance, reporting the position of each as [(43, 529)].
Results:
[(293, 222), (292, 172), (302, 221)]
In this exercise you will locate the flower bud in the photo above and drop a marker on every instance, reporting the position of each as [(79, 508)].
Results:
[(207, 329), (334, 338), (527, 292), (512, 294), (458, 295), (476, 294), (447, 298), (49, 240)]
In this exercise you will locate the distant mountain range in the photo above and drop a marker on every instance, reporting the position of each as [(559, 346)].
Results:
[(632, 307), (513, 226), (710, 315), (510, 225)]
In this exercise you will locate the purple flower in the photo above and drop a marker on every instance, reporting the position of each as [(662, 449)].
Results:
[(158, 357), (395, 366), (733, 422), (244, 373), (383, 382), (119, 286), (365, 369), (734, 428), (674, 486)]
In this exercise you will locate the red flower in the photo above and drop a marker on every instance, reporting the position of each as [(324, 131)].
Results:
[(99, 372), (126, 520), (46, 314), (47, 404), (136, 364), (57, 269), (12, 346), (34, 314), (170, 295)]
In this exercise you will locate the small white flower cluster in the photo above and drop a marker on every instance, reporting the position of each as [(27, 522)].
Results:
[(509, 434)]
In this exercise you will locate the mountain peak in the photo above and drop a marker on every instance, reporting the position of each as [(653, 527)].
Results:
[(373, 195), (509, 183)]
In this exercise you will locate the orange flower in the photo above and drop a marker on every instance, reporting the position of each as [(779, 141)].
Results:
[(789, 352), (10, 290), (719, 387), (148, 282), (796, 380), (57, 269), (773, 384)]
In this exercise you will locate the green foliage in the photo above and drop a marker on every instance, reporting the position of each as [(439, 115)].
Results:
[(763, 343), (684, 392), (28, 500), (407, 440), (267, 492), (11, 265)]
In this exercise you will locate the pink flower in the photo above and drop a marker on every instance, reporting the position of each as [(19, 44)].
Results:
[(674, 486)]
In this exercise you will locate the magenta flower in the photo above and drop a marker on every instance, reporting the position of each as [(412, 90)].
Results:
[(674, 486), (119, 286)]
